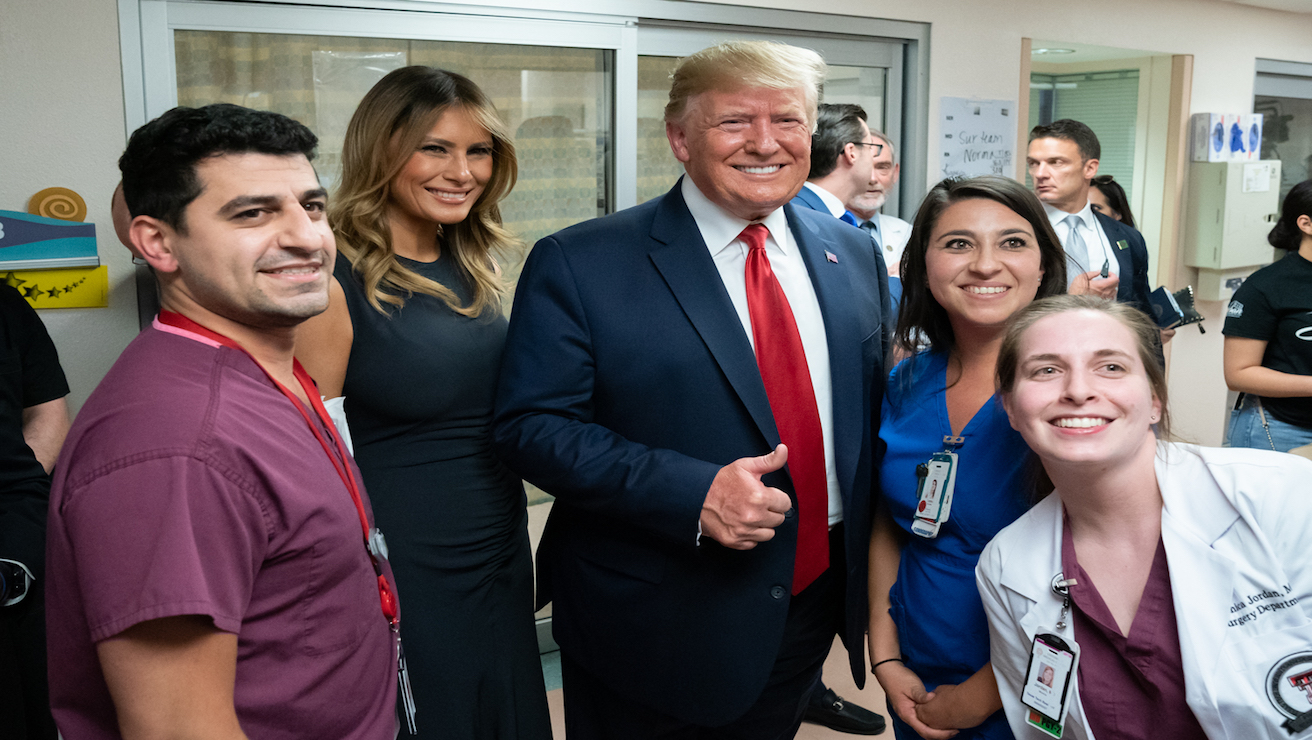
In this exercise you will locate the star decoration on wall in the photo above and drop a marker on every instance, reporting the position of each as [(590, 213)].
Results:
[(34, 290)]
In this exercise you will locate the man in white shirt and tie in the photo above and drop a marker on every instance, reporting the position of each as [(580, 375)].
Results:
[(889, 232), (842, 164), (1104, 256), (842, 170)]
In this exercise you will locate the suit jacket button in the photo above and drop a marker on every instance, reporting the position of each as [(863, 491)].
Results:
[(778, 592), (791, 513)]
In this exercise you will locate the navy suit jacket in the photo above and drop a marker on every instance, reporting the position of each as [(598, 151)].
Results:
[(626, 384), (890, 289), (806, 197), (1134, 288)]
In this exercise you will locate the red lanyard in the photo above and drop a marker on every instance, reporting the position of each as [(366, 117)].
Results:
[(385, 594)]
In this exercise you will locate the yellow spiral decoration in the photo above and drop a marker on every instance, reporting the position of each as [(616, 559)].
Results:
[(60, 203)]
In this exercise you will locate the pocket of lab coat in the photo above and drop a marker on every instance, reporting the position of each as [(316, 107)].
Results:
[(1265, 685)]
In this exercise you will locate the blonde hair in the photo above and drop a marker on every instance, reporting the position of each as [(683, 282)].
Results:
[(385, 131), (1145, 332), (738, 64)]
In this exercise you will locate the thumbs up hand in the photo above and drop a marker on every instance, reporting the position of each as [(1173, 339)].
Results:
[(740, 510)]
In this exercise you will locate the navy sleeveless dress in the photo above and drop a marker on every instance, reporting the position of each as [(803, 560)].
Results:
[(419, 390)]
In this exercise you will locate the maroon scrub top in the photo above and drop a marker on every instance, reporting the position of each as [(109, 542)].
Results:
[(189, 485), (1131, 686)]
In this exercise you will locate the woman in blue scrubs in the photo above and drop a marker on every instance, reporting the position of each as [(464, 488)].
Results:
[(980, 250)]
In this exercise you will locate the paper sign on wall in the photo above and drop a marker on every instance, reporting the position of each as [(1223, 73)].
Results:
[(977, 137)]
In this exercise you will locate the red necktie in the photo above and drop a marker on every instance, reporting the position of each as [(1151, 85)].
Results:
[(787, 379)]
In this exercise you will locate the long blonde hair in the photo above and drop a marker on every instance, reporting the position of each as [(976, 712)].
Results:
[(386, 129)]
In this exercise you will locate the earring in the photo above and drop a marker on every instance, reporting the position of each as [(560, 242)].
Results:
[(1153, 418)]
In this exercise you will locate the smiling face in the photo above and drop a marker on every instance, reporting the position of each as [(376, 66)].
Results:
[(445, 176), (256, 251), (1061, 176), (747, 150), (1081, 393), (982, 263), (884, 176)]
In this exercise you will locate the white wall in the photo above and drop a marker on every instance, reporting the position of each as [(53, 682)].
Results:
[(61, 91)]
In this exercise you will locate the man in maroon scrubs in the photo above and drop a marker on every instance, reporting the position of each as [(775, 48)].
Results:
[(208, 574)]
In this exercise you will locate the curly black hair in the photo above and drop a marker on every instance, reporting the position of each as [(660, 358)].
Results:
[(159, 164)]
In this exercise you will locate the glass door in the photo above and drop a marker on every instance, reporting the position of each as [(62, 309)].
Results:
[(1283, 95), (554, 99), (866, 72)]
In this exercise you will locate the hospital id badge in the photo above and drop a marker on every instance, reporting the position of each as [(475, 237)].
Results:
[(935, 494), (1047, 687)]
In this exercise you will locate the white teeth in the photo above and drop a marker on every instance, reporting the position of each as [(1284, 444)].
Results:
[(984, 291), (1081, 422), (445, 195), (760, 170), (295, 270)]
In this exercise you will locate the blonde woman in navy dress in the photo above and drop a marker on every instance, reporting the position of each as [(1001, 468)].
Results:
[(412, 338)]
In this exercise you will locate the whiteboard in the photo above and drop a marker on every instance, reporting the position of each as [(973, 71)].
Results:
[(978, 137)]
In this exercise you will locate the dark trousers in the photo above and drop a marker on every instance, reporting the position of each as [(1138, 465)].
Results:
[(24, 696), (595, 711)]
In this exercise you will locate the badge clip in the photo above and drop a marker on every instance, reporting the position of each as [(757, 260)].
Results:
[(1048, 682), (937, 481)]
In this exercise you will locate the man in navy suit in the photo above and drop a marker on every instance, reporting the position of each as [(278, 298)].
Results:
[(1062, 159), (843, 156), (656, 360), (843, 153)]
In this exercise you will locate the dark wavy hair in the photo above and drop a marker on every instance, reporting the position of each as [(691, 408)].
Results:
[(159, 164), (1286, 234), (919, 314), (1116, 198)]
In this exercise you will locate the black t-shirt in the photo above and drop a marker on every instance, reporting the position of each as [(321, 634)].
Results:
[(29, 375), (1275, 306)]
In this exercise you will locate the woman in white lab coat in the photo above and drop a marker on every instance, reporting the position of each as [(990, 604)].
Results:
[(1179, 575)]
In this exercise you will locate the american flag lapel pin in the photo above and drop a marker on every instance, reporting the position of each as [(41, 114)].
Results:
[(831, 256)]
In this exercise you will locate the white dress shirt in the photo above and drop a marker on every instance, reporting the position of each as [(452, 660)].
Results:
[(720, 230), (831, 201), (1097, 247)]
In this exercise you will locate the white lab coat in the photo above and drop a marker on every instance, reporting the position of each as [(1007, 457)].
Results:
[(893, 233), (1236, 523)]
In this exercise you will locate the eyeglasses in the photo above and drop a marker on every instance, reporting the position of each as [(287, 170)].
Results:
[(879, 148)]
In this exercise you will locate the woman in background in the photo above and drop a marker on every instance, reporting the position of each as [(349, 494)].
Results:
[(980, 250), (412, 338), (1109, 199), (1179, 572), (1268, 338)]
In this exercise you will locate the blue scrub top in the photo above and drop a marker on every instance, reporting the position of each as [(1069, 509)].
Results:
[(940, 620)]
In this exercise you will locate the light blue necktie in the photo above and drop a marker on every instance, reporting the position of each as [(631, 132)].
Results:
[(1076, 249)]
